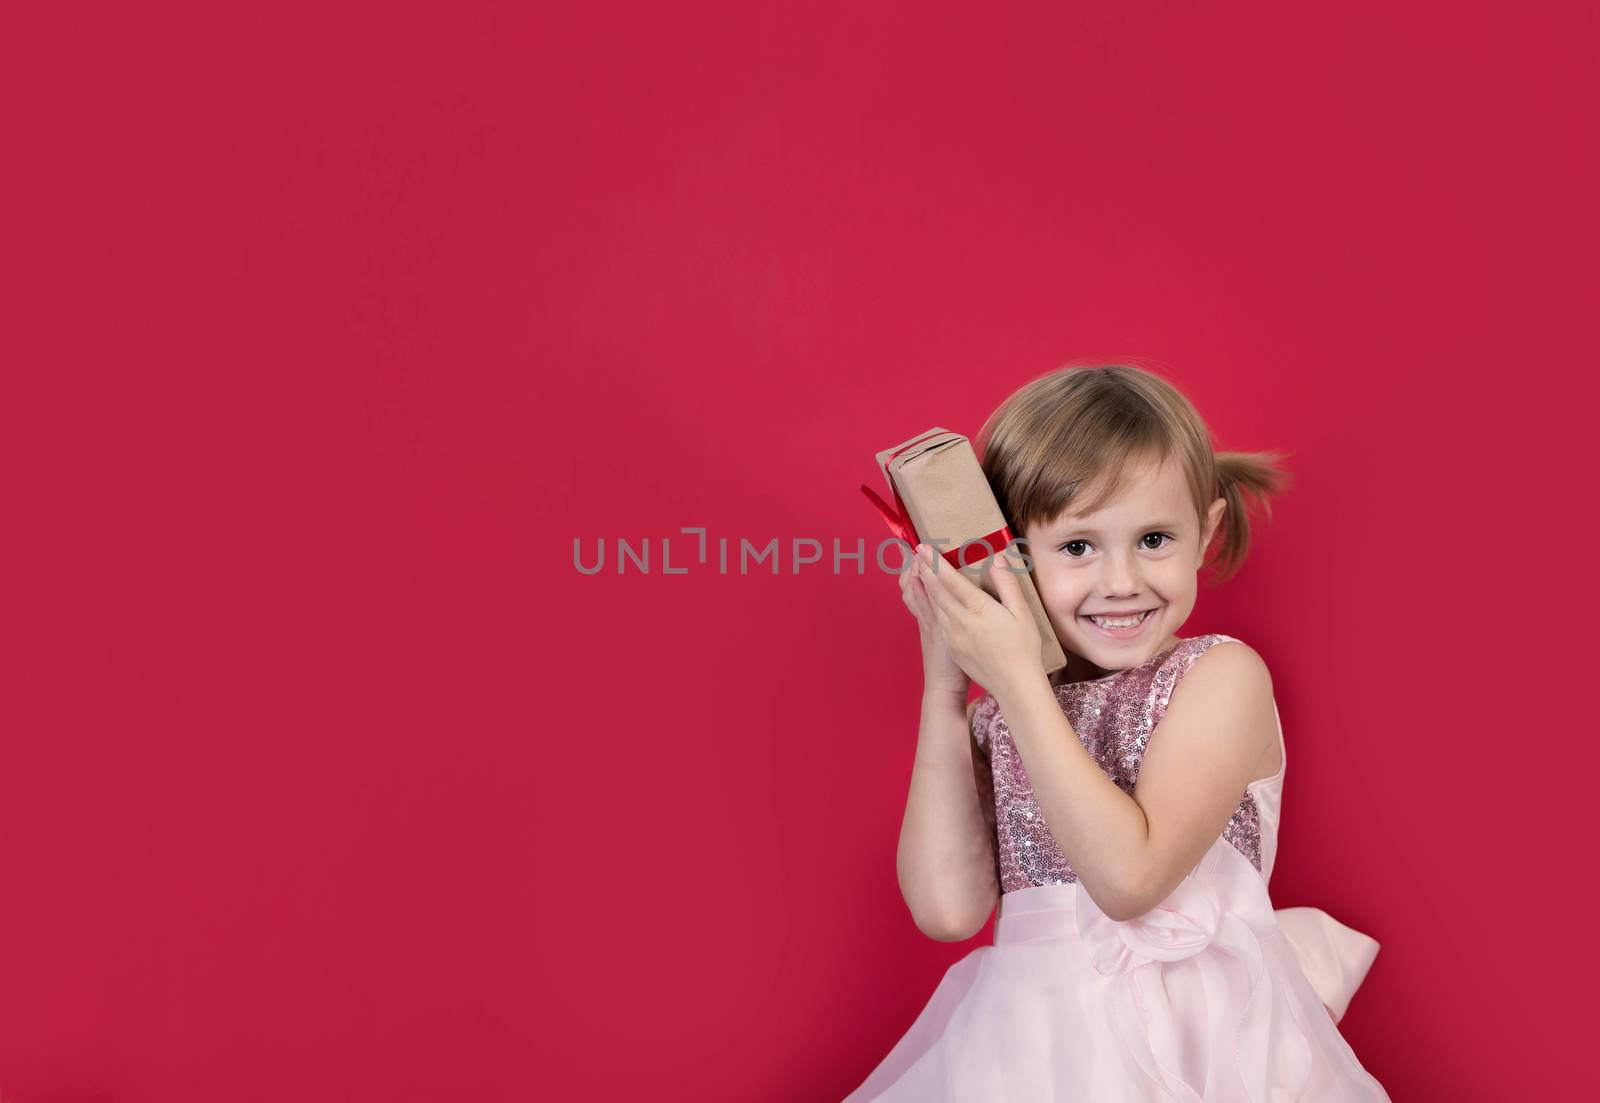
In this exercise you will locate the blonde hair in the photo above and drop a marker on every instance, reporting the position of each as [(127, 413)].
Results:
[(1082, 425)]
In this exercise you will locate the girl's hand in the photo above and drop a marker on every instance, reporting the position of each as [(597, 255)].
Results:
[(992, 641), (940, 671)]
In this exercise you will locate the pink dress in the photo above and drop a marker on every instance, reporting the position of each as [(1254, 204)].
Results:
[(1212, 995)]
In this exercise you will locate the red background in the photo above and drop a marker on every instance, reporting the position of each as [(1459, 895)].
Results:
[(328, 328)]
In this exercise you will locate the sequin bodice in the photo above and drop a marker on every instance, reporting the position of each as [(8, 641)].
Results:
[(1113, 718)]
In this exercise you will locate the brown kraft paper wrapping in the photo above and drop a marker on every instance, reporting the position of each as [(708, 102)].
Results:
[(946, 496)]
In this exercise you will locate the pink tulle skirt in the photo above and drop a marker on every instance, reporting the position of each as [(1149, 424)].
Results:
[(1212, 996)]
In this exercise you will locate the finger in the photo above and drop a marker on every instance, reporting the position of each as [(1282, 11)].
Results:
[(1005, 583), (931, 577), (910, 602), (917, 601), (958, 587), (922, 598), (911, 583), (920, 583)]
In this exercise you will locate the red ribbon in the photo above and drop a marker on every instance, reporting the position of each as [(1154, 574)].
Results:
[(899, 518)]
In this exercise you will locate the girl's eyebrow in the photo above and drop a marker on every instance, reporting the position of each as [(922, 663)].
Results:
[(1070, 527)]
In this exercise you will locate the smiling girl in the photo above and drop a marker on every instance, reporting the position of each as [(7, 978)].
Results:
[(1123, 813)]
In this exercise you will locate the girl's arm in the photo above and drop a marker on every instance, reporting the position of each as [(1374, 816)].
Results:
[(1221, 724), (1130, 852), (945, 861)]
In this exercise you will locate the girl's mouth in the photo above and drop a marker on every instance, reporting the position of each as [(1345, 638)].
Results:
[(1124, 631)]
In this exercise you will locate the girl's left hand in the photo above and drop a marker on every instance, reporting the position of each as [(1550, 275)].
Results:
[(993, 641)]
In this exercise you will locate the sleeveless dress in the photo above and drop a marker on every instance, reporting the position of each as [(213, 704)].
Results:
[(1213, 995)]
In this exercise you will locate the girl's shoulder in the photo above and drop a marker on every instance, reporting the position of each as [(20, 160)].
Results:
[(1225, 656), (1231, 652), (1228, 661)]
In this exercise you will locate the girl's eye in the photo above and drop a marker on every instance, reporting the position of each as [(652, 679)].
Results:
[(1070, 544)]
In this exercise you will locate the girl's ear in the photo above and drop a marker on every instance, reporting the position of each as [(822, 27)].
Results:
[(1213, 519)]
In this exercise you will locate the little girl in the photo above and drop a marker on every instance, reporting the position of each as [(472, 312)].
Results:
[(1123, 812)]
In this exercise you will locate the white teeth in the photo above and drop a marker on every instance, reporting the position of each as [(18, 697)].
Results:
[(1118, 622)]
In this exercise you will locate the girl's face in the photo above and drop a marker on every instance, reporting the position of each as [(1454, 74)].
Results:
[(1141, 553)]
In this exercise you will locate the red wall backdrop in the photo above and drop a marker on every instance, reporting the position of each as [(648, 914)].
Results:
[(328, 327)]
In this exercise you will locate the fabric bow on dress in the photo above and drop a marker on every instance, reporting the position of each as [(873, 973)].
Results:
[(1198, 951)]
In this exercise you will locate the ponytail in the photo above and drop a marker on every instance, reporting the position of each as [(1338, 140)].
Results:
[(1261, 475)]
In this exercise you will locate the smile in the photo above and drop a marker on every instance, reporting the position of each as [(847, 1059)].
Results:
[(1120, 628)]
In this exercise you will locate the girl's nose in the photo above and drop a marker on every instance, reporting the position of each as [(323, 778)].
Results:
[(1122, 575)]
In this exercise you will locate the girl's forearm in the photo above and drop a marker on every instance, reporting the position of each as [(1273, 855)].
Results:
[(1101, 829), (945, 859)]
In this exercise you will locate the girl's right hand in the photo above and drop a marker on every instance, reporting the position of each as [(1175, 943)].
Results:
[(940, 671)]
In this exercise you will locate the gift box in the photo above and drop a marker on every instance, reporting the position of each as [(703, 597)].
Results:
[(940, 493)]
